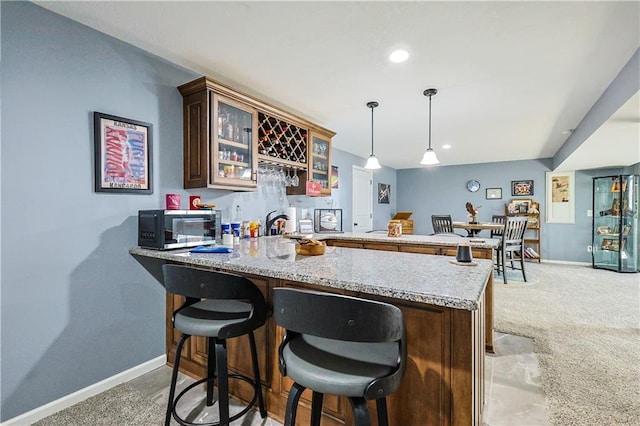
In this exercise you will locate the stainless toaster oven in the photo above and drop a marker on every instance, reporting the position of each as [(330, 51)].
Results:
[(170, 229)]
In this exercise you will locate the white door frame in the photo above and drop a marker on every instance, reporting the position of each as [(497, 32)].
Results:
[(369, 198)]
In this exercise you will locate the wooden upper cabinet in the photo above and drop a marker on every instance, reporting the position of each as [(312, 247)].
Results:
[(227, 134), (219, 139), (319, 164)]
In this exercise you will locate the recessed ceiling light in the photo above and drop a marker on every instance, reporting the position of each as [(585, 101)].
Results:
[(398, 56), (446, 146), (568, 131)]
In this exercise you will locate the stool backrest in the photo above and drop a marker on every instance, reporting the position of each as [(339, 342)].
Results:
[(442, 224), (196, 284), (337, 317)]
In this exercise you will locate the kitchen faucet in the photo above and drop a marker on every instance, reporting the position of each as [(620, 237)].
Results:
[(271, 220)]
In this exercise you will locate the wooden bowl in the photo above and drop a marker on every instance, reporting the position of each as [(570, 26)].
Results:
[(311, 249)]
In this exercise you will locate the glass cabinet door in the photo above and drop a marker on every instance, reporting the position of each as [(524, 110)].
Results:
[(320, 164), (233, 159), (615, 223)]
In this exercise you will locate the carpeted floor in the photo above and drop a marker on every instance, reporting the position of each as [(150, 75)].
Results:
[(121, 405), (586, 327), (585, 324)]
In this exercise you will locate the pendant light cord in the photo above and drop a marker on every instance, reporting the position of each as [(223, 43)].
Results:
[(372, 105), (430, 121), (372, 130)]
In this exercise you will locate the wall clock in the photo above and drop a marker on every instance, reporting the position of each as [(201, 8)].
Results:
[(473, 185)]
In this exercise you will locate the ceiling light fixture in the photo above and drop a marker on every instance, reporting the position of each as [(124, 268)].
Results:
[(446, 146), (429, 158), (372, 161), (398, 56)]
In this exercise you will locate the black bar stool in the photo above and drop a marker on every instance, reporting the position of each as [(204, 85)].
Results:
[(218, 306), (339, 345)]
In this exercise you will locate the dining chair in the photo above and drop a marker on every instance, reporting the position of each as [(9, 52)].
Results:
[(512, 247), (442, 224)]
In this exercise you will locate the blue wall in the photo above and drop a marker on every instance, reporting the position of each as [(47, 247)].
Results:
[(76, 307)]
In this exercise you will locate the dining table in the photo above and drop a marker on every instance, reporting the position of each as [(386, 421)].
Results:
[(473, 228)]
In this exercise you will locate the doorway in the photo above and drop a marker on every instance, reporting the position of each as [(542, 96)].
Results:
[(362, 198)]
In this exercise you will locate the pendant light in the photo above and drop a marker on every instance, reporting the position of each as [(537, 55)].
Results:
[(429, 158), (372, 161)]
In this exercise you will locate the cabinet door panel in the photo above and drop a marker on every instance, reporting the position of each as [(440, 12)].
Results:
[(420, 249), (383, 247)]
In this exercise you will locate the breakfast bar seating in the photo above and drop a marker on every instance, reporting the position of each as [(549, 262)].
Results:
[(445, 307)]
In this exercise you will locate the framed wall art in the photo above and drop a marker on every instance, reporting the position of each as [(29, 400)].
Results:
[(384, 193), (560, 197), (493, 193), (521, 187), (123, 161)]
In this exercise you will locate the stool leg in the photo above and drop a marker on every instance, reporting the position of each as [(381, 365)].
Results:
[(256, 375), (211, 369), (360, 411), (223, 381), (174, 379), (292, 404), (316, 408), (381, 408)]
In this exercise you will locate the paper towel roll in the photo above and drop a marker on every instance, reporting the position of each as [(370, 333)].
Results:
[(290, 225)]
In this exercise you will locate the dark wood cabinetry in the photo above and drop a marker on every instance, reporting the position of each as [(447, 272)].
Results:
[(227, 134)]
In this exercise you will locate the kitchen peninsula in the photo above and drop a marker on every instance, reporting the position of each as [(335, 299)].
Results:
[(443, 304)]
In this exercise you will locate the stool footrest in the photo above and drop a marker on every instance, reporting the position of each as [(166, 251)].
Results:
[(244, 411)]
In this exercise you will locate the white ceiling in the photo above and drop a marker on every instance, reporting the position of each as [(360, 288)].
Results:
[(511, 76)]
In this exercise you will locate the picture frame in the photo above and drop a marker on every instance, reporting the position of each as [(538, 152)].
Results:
[(521, 205), (384, 193), (560, 197), (493, 193), (522, 187), (122, 155)]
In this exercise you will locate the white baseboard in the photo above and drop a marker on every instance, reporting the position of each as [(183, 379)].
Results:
[(82, 394), (566, 262)]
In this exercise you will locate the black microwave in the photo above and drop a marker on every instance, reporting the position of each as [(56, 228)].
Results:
[(171, 229)]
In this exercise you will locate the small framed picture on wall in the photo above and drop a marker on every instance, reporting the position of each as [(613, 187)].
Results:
[(493, 194), (384, 193), (522, 187)]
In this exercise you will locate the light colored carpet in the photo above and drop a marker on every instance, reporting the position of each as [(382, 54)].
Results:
[(121, 405), (586, 327)]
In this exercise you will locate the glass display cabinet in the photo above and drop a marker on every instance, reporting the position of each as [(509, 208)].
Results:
[(615, 223), (320, 164), (233, 159)]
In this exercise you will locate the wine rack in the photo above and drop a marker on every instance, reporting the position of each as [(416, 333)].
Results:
[(281, 142)]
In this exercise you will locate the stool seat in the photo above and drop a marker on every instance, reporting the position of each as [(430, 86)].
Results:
[(206, 318), (337, 367)]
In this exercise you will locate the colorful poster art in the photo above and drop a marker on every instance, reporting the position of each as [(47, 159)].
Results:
[(334, 177), (123, 154)]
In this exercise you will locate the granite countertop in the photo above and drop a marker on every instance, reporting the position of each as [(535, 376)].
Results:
[(440, 239), (406, 276)]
